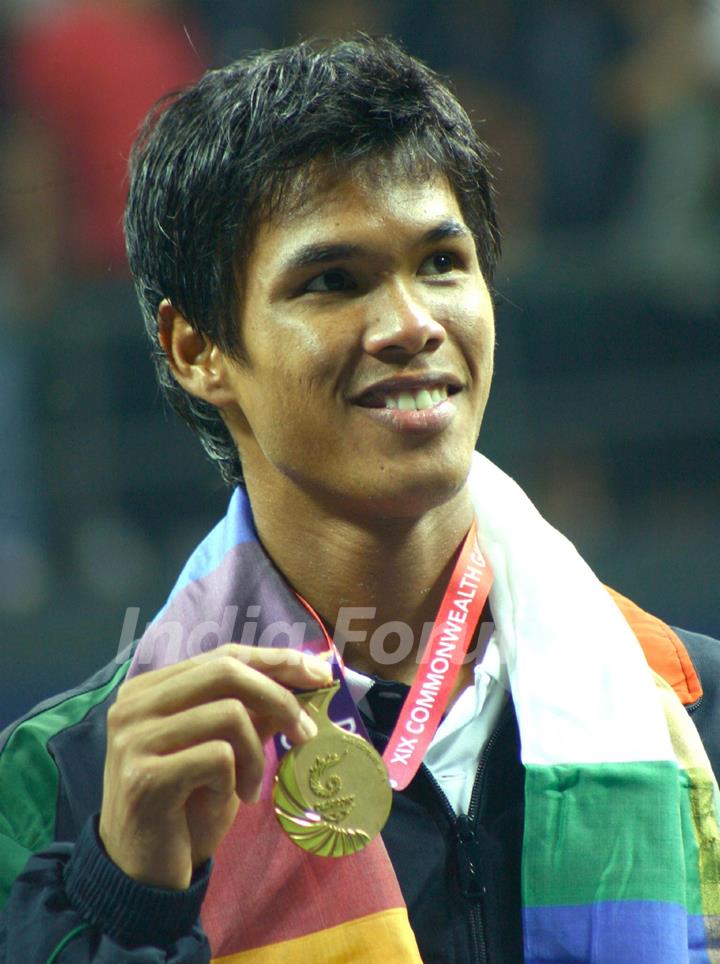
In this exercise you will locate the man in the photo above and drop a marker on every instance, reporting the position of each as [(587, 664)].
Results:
[(313, 238)]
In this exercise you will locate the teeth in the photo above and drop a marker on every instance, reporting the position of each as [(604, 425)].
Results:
[(423, 400), (416, 401)]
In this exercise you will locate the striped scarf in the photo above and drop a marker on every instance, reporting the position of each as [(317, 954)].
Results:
[(621, 852)]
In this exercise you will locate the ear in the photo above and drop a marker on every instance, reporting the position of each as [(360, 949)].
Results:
[(198, 365)]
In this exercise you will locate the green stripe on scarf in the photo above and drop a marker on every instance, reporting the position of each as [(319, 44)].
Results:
[(606, 832)]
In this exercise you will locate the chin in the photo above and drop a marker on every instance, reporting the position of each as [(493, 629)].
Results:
[(409, 491)]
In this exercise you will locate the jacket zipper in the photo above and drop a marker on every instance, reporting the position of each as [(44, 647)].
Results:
[(476, 924), (464, 827)]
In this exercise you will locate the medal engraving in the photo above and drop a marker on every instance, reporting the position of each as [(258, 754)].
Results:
[(331, 794)]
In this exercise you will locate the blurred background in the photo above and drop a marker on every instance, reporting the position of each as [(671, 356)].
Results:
[(605, 117)]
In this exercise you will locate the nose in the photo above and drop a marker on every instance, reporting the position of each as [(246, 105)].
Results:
[(402, 325)]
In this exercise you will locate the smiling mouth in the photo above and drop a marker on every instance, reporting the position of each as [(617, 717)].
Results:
[(408, 400)]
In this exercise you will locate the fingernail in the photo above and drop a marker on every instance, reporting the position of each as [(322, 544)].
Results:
[(308, 726), (316, 669)]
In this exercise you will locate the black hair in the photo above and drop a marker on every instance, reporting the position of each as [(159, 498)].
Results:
[(245, 141)]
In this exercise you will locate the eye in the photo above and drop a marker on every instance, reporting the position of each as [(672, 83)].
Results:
[(442, 262), (333, 280)]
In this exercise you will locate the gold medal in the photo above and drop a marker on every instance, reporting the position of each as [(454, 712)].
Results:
[(331, 794)]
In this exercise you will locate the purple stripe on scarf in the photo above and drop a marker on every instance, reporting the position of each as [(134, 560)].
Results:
[(613, 932), (244, 599), (703, 933), (236, 526)]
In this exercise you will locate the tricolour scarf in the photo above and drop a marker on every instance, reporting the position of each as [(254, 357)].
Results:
[(621, 848)]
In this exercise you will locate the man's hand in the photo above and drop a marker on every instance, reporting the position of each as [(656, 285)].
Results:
[(185, 745)]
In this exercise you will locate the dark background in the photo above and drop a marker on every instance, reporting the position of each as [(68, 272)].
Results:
[(606, 407)]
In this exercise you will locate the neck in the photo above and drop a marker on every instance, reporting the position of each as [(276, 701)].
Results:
[(360, 574)]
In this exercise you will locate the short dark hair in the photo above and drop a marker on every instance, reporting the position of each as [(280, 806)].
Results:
[(215, 159)]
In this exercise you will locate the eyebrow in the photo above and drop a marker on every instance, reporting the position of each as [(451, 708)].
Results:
[(316, 254), (449, 228)]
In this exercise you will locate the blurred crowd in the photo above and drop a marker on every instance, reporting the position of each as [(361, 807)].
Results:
[(605, 119)]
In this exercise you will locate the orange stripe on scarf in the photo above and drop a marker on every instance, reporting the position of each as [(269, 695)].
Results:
[(383, 938), (663, 649)]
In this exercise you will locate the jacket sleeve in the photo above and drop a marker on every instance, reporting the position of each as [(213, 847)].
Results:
[(71, 903)]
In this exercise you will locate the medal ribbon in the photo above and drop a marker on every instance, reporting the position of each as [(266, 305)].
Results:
[(447, 645)]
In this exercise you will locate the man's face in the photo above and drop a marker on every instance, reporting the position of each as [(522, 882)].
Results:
[(368, 334)]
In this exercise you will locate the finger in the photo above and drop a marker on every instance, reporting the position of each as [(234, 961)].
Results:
[(288, 666), (226, 720), (208, 765), (222, 678)]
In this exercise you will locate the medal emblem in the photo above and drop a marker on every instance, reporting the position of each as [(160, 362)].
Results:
[(331, 794)]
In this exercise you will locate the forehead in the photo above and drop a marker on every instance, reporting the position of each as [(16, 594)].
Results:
[(357, 208)]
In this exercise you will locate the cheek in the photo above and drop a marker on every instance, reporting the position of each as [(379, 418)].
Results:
[(308, 383), (295, 391), (308, 362), (474, 325), (296, 330)]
